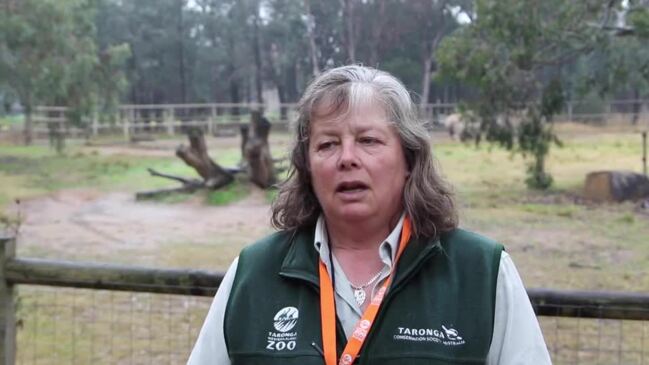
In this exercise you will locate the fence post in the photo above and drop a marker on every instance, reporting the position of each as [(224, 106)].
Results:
[(211, 121), (95, 123), (644, 152), (126, 124), (7, 307), (169, 120)]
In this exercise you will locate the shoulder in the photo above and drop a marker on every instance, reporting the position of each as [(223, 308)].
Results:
[(463, 239), (270, 252), (273, 242), (471, 248), (459, 235), (267, 251)]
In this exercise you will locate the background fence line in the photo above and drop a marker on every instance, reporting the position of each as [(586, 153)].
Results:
[(135, 122), (197, 283)]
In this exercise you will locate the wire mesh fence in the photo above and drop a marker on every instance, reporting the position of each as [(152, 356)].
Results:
[(595, 341), (88, 326)]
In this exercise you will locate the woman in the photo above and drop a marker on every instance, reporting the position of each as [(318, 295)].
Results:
[(369, 266)]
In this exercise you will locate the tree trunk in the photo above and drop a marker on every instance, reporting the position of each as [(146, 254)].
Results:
[(197, 157), (275, 73), (428, 59), (377, 27), (28, 130), (234, 77), (290, 80), (256, 151), (349, 34), (257, 54), (425, 81), (637, 104), (181, 54), (313, 50)]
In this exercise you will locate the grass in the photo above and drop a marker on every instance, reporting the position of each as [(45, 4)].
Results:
[(31, 171), (556, 241), (489, 183), (229, 194), (7, 121)]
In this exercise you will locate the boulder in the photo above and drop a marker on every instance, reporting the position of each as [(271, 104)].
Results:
[(616, 186)]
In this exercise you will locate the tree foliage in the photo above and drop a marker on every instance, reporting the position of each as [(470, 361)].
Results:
[(517, 53), (49, 56)]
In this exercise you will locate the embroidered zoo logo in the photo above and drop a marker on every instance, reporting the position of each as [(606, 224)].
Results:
[(283, 322), (286, 319), (447, 336)]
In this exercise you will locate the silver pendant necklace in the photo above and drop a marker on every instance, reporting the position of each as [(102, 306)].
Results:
[(359, 291)]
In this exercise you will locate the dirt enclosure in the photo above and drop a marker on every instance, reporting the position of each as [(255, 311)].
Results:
[(556, 242), (77, 223), (88, 224)]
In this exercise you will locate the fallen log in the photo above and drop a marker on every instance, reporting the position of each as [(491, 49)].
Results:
[(196, 156), (180, 179), (189, 186), (257, 162), (256, 151), (616, 186), (156, 194)]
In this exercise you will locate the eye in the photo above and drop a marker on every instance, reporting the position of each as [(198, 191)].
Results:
[(369, 141), (323, 146)]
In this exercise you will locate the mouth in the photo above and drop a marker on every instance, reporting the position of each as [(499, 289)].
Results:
[(351, 187)]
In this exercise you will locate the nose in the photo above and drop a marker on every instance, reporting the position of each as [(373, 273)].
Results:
[(348, 158)]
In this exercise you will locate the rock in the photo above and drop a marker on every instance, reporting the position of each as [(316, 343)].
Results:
[(616, 186)]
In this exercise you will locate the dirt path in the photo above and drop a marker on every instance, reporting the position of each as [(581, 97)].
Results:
[(85, 224)]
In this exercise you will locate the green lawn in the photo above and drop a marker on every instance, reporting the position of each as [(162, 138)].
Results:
[(556, 240), (10, 120)]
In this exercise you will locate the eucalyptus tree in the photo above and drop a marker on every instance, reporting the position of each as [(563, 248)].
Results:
[(514, 52), (160, 36), (286, 49), (620, 65), (48, 54)]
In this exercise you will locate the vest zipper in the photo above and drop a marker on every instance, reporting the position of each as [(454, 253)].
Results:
[(391, 293), (340, 332)]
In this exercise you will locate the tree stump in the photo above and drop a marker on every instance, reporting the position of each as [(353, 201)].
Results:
[(256, 152), (616, 186), (195, 155)]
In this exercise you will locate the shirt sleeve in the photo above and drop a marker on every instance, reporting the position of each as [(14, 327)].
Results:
[(210, 346), (517, 337)]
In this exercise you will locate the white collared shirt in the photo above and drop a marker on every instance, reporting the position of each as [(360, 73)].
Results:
[(516, 340), (347, 309)]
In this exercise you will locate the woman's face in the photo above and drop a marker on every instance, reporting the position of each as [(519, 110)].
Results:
[(358, 169)]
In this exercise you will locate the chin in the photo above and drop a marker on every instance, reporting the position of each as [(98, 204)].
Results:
[(355, 214)]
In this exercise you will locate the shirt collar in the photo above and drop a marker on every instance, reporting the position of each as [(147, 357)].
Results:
[(387, 249)]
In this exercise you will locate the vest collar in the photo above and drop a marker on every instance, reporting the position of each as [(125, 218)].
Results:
[(301, 260)]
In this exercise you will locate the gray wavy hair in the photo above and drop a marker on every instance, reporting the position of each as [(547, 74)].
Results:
[(427, 199)]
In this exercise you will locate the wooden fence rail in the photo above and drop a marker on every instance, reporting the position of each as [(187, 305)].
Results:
[(13, 271), (223, 118)]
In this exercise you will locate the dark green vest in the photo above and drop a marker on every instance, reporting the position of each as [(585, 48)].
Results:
[(438, 310)]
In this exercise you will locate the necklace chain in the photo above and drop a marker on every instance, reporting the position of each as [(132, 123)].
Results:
[(359, 291), (373, 279)]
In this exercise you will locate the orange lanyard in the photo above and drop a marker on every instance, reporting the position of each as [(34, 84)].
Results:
[(362, 328)]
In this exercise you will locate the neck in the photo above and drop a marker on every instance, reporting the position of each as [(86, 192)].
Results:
[(356, 246), (360, 236), (352, 237)]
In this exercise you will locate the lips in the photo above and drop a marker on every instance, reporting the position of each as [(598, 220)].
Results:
[(351, 187)]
